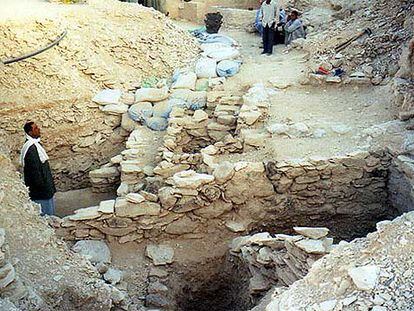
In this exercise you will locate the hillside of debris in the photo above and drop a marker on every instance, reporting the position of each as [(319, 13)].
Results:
[(37, 270), (109, 44), (375, 56)]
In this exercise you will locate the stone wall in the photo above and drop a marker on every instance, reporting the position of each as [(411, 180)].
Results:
[(234, 17), (195, 10), (245, 195), (335, 191), (280, 260), (400, 186), (184, 188)]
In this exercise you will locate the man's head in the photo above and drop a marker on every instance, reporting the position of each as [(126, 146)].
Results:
[(294, 15), (32, 129), (268, 1)]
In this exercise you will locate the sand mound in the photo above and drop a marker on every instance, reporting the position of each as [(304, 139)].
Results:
[(108, 44)]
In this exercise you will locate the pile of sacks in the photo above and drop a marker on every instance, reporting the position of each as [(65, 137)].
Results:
[(187, 89), (220, 57), (152, 106)]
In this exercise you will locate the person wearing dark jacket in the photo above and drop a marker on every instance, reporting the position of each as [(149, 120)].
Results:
[(37, 174)]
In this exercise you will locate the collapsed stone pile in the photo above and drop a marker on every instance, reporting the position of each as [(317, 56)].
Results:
[(280, 260), (374, 273)]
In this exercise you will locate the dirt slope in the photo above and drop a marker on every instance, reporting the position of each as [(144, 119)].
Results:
[(109, 44)]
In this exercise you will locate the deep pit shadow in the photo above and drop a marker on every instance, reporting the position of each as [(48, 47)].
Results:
[(222, 285)]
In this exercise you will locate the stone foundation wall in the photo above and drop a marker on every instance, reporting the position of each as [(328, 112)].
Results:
[(401, 183), (334, 190), (242, 196)]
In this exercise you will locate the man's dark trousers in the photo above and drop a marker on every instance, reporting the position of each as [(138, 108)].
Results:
[(268, 34)]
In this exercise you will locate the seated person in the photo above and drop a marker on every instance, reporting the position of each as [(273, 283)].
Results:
[(294, 28)]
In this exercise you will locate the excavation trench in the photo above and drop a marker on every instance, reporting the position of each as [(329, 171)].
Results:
[(219, 285), (229, 282)]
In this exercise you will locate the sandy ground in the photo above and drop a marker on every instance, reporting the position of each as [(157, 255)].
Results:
[(69, 201), (12, 9), (326, 108)]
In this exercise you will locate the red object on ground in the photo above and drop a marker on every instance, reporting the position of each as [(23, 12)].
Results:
[(323, 71)]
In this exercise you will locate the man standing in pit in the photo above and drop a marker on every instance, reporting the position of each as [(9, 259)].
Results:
[(269, 12), (37, 174)]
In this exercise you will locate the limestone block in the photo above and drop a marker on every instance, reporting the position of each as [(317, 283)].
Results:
[(151, 94), (113, 276), (305, 179), (187, 204), (117, 159), (223, 172), (131, 166), (181, 226), (115, 109), (313, 233), (85, 213), (122, 189), (106, 207), (214, 210), (234, 226), (157, 287), (167, 169), (134, 198), (94, 251), (314, 246), (365, 277), (191, 179), (149, 196), (249, 116), (226, 119), (123, 208), (7, 275), (134, 236), (114, 231), (200, 116), (160, 254), (104, 172), (167, 198)]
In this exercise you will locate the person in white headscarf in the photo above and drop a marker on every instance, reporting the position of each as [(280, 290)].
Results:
[(37, 174)]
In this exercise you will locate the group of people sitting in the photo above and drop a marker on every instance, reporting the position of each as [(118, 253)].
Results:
[(276, 26)]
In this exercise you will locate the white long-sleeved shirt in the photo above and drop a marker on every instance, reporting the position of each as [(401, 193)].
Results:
[(269, 13)]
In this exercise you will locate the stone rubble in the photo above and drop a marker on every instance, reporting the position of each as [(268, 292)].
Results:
[(278, 260), (371, 273), (160, 254)]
